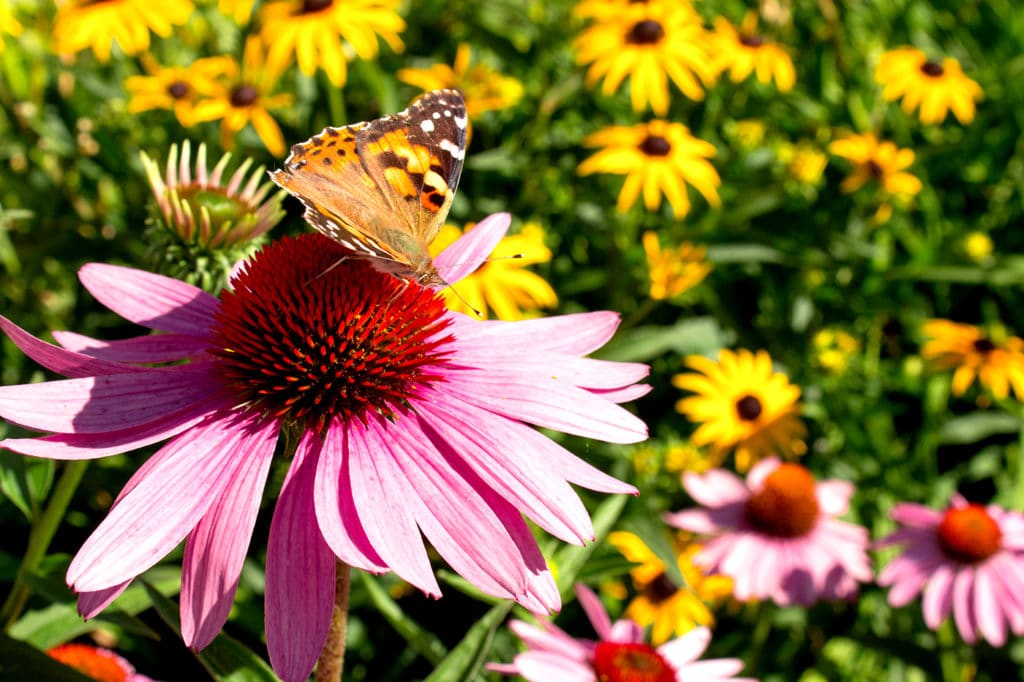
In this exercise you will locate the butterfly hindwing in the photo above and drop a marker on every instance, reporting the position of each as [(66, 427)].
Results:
[(418, 154)]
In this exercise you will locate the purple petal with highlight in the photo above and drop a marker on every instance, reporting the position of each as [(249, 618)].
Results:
[(154, 301), (216, 549), (300, 577)]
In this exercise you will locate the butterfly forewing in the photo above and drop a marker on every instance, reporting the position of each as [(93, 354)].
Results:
[(418, 154), (383, 188)]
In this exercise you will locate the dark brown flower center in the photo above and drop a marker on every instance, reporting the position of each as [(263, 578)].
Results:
[(655, 145), (178, 90), (630, 662), (932, 69), (752, 40), (646, 32), (874, 168), (785, 506), (244, 95), (311, 6), (748, 408), (969, 535), (984, 345), (306, 335), (660, 590)]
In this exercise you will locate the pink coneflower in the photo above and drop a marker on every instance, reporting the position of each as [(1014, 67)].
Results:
[(968, 559), (776, 535), (406, 418), (620, 655)]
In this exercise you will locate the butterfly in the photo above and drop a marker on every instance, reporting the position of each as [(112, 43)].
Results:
[(383, 188)]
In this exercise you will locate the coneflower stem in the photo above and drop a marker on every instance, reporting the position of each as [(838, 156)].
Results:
[(332, 656), (43, 530), (1017, 501)]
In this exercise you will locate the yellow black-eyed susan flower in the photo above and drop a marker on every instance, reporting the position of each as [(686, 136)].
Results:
[(321, 34), (743, 52), (669, 609), (651, 43), (934, 88), (484, 88), (82, 24), (878, 161), (742, 404), (247, 95), (175, 88), (502, 284), (658, 158), (673, 272), (996, 360)]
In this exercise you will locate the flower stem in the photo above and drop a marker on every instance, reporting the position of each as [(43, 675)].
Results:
[(332, 656), (759, 638), (43, 530), (948, 659), (1017, 501), (335, 104)]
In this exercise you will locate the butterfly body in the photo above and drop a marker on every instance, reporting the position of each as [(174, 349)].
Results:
[(383, 188)]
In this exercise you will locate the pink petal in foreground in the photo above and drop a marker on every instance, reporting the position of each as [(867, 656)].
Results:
[(460, 525), (332, 496), (573, 334), (469, 251), (105, 403), (153, 301), (57, 359), (69, 446), (300, 577), (379, 490), (143, 349), (91, 603), (482, 441), (148, 522), (553, 405), (216, 548)]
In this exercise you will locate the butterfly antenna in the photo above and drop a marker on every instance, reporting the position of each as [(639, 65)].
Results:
[(467, 303)]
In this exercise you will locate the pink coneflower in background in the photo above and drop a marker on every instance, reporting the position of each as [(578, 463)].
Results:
[(620, 654), (968, 559), (776, 535), (406, 418)]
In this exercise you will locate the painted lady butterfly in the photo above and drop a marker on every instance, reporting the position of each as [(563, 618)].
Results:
[(383, 188)]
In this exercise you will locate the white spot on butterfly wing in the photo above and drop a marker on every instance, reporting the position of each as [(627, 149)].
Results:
[(455, 150), (461, 122), (427, 126)]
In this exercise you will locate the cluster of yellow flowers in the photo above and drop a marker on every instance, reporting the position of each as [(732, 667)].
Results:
[(656, 44)]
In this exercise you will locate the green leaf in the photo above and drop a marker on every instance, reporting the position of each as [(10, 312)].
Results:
[(467, 659), (226, 659), (570, 559), (25, 480), (720, 254), (977, 426), (642, 344), (59, 622), (419, 639), (20, 661)]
